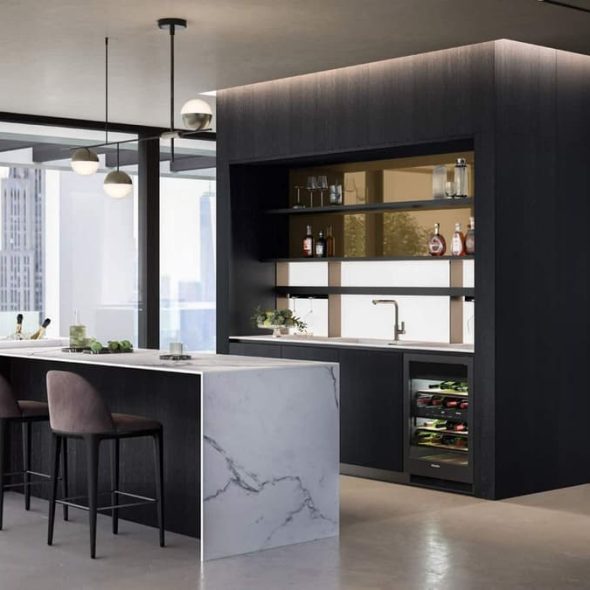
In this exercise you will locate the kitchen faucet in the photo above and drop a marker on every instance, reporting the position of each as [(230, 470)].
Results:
[(397, 328)]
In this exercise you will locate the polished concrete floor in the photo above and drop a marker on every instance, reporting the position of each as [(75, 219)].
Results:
[(393, 537)]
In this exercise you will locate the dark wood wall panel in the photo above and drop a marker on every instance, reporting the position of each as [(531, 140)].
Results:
[(542, 261)]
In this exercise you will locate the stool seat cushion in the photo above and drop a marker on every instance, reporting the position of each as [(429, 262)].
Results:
[(129, 423), (30, 408)]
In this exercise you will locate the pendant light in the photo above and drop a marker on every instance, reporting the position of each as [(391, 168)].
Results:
[(84, 161), (117, 184), (196, 113)]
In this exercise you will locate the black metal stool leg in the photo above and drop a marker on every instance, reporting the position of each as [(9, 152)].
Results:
[(55, 451), (115, 450), (3, 439), (64, 475), (26, 432), (159, 463), (92, 444)]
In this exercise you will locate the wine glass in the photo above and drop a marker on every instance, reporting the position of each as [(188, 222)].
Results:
[(312, 185), (299, 204), (322, 185)]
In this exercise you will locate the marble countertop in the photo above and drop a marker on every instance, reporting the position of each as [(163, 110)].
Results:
[(359, 342), (200, 364)]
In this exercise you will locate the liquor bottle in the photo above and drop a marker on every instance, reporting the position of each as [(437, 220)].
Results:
[(458, 242), (19, 326), (41, 331), (308, 243), (330, 242), (320, 246), (436, 244), (460, 178), (470, 237)]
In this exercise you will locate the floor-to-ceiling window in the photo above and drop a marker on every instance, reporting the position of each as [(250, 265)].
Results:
[(187, 262)]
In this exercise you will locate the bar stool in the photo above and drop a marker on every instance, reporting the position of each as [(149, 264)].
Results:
[(77, 410), (25, 412)]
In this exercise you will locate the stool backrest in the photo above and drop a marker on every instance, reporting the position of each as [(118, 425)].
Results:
[(8, 405), (75, 406)]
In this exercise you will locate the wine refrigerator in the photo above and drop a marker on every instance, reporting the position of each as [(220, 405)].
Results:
[(438, 417)]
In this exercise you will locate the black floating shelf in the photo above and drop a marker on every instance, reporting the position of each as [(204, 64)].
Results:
[(426, 204), (323, 291), (370, 259)]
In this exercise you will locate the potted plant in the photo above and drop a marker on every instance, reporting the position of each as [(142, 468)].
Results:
[(277, 320)]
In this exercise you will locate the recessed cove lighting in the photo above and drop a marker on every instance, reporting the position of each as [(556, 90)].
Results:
[(209, 93)]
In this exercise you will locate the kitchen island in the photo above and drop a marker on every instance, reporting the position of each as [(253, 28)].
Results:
[(251, 444)]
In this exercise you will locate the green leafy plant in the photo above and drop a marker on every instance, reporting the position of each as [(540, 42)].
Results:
[(272, 318)]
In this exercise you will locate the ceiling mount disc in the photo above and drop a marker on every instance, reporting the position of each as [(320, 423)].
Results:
[(172, 23)]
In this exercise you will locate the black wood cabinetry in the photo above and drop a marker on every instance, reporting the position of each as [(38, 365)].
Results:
[(371, 409), (523, 109)]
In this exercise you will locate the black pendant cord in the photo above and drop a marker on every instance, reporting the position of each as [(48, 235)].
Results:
[(106, 89), (172, 31), (566, 5)]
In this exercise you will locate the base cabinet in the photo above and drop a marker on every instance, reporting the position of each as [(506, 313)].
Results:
[(371, 409)]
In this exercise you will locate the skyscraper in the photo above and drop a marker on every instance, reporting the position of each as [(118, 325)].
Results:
[(21, 253)]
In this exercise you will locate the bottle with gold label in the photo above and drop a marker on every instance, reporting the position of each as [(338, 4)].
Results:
[(437, 245), (458, 242)]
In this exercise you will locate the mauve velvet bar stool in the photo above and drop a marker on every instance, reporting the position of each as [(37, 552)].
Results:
[(77, 410), (24, 412)]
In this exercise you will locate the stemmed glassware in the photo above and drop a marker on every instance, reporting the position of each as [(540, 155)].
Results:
[(298, 204), (322, 185), (312, 185)]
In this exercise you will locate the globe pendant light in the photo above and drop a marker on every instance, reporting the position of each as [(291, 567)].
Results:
[(118, 184), (84, 161), (196, 113)]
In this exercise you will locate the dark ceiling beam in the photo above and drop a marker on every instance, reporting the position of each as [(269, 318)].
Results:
[(181, 164), (8, 145), (49, 152)]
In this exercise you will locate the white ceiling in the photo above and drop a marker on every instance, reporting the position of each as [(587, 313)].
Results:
[(52, 51)]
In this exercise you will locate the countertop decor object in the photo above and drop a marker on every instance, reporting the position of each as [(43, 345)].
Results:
[(277, 320)]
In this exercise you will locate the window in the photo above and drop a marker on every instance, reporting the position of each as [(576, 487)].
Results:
[(187, 263)]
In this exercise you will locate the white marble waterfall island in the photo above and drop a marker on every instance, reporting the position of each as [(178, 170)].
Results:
[(267, 432)]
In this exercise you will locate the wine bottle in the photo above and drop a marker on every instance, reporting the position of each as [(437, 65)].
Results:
[(458, 242), (330, 242), (437, 245), (19, 326), (41, 331), (320, 246), (470, 237), (308, 243)]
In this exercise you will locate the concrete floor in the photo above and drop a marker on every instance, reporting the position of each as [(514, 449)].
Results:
[(393, 537)]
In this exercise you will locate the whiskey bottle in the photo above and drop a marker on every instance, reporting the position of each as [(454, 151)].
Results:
[(320, 246), (436, 244), (308, 243), (470, 237), (458, 242), (330, 243)]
